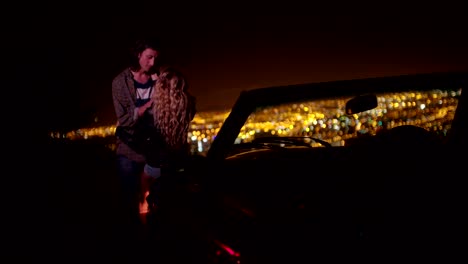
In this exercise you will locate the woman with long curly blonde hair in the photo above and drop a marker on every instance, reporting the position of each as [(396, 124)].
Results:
[(173, 109)]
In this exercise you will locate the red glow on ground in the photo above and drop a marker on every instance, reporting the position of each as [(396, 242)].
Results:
[(229, 250)]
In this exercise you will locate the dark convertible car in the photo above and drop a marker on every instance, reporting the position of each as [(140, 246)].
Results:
[(359, 170)]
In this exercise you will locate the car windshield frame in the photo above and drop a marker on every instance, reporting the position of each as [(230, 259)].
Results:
[(251, 100)]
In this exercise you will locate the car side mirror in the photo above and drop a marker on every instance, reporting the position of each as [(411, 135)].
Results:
[(361, 103)]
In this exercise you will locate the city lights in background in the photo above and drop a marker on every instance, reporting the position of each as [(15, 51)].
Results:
[(433, 111)]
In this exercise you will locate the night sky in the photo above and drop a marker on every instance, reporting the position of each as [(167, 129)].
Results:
[(225, 49)]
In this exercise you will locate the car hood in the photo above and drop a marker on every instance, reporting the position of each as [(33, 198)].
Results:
[(264, 182), (289, 181)]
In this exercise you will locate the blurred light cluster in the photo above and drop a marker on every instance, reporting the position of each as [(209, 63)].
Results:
[(325, 119)]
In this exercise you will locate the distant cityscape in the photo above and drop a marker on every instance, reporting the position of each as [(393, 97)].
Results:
[(203, 130), (324, 120)]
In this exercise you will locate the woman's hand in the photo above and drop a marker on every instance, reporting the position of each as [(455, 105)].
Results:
[(142, 109)]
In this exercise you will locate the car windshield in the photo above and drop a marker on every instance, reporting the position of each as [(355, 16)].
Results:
[(327, 119), (345, 113)]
